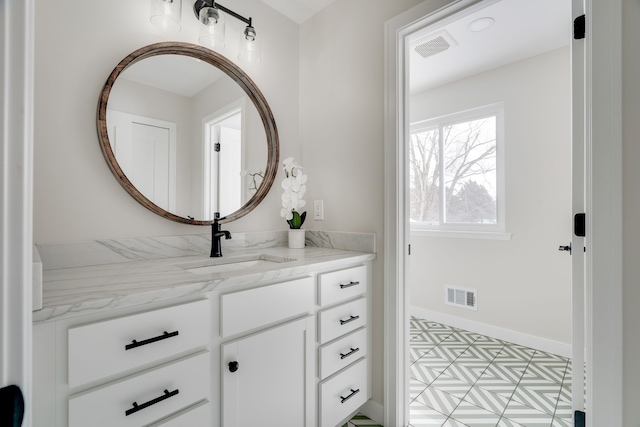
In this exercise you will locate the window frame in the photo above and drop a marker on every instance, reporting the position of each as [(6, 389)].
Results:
[(469, 230)]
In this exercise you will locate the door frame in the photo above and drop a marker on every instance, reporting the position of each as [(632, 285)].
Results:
[(603, 173), (16, 197)]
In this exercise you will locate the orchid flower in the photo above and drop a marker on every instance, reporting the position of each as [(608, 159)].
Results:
[(292, 198)]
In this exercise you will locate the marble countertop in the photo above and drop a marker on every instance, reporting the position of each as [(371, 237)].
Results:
[(93, 286)]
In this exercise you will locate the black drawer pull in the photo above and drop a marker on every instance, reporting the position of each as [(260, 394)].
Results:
[(353, 350), (350, 319), (167, 394), (353, 393), (164, 336), (348, 285)]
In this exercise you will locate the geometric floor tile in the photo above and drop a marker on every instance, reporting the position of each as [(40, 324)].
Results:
[(463, 379), (476, 416), (438, 400), (488, 400), (422, 415), (361, 420), (424, 373), (415, 388)]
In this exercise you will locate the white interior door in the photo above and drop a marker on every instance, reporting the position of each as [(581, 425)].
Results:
[(578, 293), (223, 161), (149, 170), (230, 163), (145, 149)]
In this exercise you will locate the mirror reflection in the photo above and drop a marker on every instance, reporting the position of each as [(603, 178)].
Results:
[(187, 136)]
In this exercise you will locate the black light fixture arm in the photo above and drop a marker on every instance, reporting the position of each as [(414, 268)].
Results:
[(199, 4)]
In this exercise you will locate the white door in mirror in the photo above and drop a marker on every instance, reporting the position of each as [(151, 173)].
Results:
[(146, 151)]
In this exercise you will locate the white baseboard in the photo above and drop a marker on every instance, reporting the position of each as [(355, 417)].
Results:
[(515, 337), (373, 410)]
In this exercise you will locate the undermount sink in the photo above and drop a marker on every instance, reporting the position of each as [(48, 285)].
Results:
[(219, 265)]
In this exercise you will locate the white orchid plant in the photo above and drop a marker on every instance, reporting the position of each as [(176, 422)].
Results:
[(294, 188)]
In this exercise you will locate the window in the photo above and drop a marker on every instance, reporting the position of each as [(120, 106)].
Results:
[(456, 172)]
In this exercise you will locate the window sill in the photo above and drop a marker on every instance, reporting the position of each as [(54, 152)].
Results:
[(485, 235)]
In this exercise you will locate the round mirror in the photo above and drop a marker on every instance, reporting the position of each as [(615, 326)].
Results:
[(187, 133)]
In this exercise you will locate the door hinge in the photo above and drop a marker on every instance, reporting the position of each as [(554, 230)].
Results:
[(579, 417), (579, 224), (409, 249), (216, 147), (579, 27)]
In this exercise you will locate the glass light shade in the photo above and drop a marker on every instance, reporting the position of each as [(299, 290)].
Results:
[(212, 27), (250, 46), (166, 14)]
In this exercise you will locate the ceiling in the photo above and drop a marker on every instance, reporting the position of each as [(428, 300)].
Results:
[(521, 29), (298, 10)]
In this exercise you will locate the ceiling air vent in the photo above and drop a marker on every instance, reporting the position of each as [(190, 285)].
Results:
[(434, 44), (460, 297)]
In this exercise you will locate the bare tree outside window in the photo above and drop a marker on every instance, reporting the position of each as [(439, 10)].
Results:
[(463, 156)]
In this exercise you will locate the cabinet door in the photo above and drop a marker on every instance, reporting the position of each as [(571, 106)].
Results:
[(268, 378)]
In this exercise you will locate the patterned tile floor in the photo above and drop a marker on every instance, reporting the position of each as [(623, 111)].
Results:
[(463, 379), (460, 378), (361, 420)]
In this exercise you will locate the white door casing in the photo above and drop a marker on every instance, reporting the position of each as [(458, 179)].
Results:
[(602, 170), (16, 196), (225, 166)]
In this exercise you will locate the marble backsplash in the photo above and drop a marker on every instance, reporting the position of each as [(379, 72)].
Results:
[(100, 252)]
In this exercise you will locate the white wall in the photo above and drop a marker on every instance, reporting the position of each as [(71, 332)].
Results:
[(77, 46), (523, 284), (341, 122), (631, 208)]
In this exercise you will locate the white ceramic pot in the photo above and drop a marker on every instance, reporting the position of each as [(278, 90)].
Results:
[(296, 238)]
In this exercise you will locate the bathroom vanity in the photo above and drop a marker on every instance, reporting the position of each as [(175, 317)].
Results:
[(153, 333)]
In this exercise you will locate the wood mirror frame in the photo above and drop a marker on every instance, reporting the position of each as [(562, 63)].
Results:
[(237, 75)]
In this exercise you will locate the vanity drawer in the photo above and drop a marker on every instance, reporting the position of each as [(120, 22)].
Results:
[(342, 285), (343, 394), (199, 415), (342, 319), (105, 348), (245, 310), (341, 353), (157, 394)]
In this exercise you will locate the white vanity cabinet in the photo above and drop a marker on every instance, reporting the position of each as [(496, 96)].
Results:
[(344, 342), (267, 375), (284, 350), (133, 370)]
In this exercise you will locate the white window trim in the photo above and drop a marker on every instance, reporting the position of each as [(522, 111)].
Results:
[(478, 231)]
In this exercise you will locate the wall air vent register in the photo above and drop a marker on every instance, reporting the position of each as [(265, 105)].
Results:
[(461, 297)]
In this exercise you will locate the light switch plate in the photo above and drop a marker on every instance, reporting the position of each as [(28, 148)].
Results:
[(318, 210)]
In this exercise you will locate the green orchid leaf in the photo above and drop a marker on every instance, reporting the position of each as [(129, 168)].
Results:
[(297, 220)]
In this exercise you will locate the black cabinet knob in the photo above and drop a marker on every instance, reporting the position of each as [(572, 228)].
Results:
[(233, 366)]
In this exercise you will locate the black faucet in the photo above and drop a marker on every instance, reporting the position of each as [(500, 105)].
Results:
[(216, 234)]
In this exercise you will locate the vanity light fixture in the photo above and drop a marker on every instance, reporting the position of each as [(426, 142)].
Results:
[(212, 29), (166, 14)]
